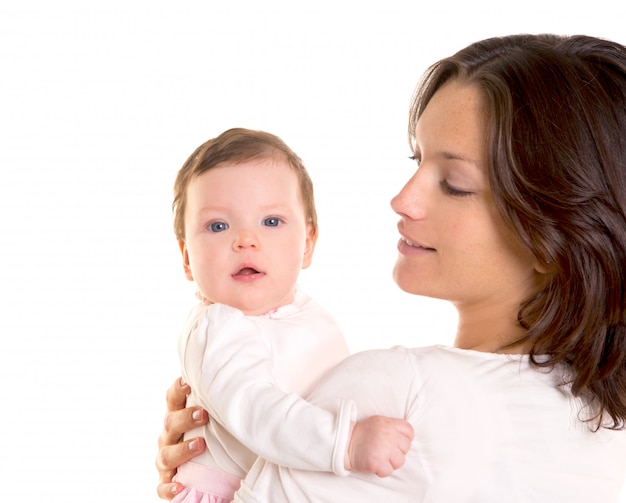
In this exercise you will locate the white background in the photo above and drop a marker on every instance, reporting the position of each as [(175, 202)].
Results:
[(100, 106)]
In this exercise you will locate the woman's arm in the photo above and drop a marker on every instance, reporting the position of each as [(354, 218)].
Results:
[(172, 451)]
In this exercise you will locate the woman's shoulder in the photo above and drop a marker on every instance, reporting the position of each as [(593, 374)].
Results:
[(396, 360), (438, 354), (445, 369)]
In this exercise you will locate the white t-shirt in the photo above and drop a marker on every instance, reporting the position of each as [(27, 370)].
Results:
[(489, 428), (249, 373)]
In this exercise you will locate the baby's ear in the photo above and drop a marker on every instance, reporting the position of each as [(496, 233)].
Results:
[(309, 246), (185, 254)]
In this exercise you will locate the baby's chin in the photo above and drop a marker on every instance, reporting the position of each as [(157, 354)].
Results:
[(250, 307), (250, 300)]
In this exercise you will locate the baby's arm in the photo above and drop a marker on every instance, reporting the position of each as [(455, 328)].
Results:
[(229, 366)]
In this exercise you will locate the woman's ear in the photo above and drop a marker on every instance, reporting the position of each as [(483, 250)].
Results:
[(542, 268), (185, 254), (309, 246)]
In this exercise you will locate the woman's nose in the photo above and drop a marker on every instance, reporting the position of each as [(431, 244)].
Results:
[(245, 239), (409, 202)]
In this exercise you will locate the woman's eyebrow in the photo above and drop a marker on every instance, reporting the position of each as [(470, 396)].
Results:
[(452, 156)]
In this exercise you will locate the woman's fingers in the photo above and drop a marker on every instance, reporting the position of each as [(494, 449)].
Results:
[(179, 419), (173, 452), (171, 457)]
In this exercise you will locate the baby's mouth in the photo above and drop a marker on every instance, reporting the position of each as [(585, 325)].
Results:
[(246, 271)]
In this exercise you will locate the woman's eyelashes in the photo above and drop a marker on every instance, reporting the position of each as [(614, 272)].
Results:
[(444, 184), (454, 191)]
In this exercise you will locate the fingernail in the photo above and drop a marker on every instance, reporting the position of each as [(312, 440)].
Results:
[(196, 415), (194, 445), (174, 490), (182, 383)]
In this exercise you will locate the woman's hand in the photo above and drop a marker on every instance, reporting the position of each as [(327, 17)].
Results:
[(173, 452)]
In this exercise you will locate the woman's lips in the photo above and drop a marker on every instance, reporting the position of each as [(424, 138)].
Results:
[(408, 247)]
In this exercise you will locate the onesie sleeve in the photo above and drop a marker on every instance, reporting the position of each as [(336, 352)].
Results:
[(228, 362)]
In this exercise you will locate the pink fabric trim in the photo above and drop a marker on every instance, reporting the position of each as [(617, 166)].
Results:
[(205, 485)]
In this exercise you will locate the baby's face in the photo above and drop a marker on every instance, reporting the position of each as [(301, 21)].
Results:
[(246, 236)]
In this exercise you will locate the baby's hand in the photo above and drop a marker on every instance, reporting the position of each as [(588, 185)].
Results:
[(378, 445)]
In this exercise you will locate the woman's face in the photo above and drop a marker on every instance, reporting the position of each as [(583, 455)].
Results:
[(453, 244)]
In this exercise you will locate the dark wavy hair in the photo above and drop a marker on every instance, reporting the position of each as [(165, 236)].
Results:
[(557, 171), (236, 146)]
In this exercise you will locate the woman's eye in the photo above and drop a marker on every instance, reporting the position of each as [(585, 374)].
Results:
[(272, 222), (453, 191), (416, 159), (218, 226)]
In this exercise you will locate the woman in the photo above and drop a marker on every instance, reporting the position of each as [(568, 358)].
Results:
[(517, 215)]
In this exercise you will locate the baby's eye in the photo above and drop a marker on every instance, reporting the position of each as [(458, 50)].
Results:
[(272, 222), (218, 226)]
